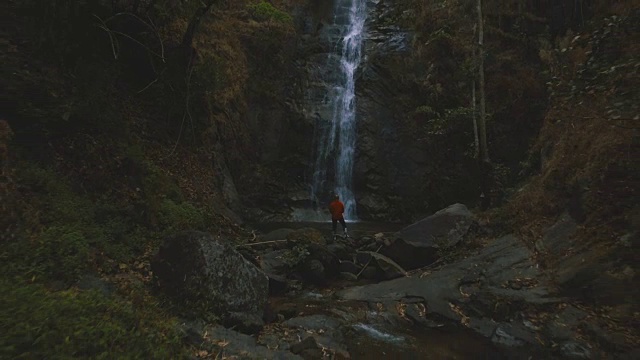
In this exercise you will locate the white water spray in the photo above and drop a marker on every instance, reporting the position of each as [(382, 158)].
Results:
[(338, 140)]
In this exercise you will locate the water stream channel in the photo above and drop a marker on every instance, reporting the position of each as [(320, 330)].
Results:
[(365, 330)]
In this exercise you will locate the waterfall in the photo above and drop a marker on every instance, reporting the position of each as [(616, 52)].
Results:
[(336, 141)]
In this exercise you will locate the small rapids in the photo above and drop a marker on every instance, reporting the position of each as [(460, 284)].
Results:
[(365, 329), (377, 334)]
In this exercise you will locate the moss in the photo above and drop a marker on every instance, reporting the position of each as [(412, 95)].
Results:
[(38, 323), (62, 252), (157, 185), (264, 11), (174, 216)]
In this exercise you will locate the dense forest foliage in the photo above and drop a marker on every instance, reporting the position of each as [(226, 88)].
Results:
[(121, 120)]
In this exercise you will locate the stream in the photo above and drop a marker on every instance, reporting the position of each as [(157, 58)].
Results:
[(369, 334), (360, 329)]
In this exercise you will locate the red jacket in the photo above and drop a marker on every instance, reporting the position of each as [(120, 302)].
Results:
[(336, 208)]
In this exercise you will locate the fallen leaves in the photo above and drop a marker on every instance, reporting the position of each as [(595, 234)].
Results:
[(519, 283), (464, 319)]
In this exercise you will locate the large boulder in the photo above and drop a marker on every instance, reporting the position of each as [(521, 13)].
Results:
[(205, 272), (274, 265), (418, 244)]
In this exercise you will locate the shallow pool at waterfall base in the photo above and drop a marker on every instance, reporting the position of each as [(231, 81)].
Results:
[(356, 229), (370, 343)]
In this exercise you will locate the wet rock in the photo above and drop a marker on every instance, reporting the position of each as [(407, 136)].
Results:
[(192, 331), (243, 346), (273, 262), (631, 355), (310, 262), (371, 273), (348, 276), (326, 257), (513, 335), (416, 313), (349, 267), (278, 285), (314, 272), (558, 237), (390, 270), (558, 330), (609, 339), (574, 350), (309, 343), (274, 341), (505, 259), (444, 229), (340, 250), (196, 268), (502, 337), (572, 316), (576, 272), (373, 204), (362, 258), (610, 288), (245, 322), (314, 322), (273, 265), (370, 247), (483, 326), (327, 331), (288, 310), (417, 245), (278, 234)]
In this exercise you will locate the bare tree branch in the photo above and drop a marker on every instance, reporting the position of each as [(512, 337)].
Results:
[(111, 39), (149, 24), (186, 113)]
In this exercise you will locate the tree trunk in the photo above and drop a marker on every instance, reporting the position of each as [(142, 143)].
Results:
[(476, 141), (483, 162), (187, 39), (482, 128), (184, 55)]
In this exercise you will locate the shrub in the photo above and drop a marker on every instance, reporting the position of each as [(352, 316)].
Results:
[(264, 11), (179, 216), (38, 324), (62, 252)]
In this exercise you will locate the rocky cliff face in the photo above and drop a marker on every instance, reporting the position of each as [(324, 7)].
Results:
[(383, 171), (391, 167), (413, 89)]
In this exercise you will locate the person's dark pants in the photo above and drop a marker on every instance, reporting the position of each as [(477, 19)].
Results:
[(335, 224)]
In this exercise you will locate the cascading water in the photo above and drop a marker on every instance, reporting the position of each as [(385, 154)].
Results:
[(336, 141)]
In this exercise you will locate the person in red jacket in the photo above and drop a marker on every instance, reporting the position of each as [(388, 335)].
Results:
[(336, 208)]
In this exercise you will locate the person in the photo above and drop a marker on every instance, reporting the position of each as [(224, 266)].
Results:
[(336, 208)]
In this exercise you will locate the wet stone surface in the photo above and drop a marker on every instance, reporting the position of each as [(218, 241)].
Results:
[(494, 298)]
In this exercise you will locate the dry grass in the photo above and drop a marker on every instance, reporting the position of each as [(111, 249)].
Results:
[(5, 137), (593, 156)]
